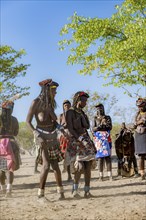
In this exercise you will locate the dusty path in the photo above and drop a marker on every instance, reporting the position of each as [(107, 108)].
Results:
[(123, 199)]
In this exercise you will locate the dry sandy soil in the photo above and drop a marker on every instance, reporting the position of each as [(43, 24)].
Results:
[(121, 199)]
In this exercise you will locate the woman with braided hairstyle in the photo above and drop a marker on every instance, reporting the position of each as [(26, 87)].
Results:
[(140, 134), (45, 134), (81, 148), (102, 125)]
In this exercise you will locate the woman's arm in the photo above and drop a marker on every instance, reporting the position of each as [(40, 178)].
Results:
[(30, 115), (94, 127)]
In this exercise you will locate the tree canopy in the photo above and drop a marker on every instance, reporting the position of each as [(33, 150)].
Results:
[(10, 70), (114, 48)]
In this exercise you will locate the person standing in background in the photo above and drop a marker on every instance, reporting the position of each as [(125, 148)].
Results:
[(102, 125), (64, 138), (140, 134), (125, 150)]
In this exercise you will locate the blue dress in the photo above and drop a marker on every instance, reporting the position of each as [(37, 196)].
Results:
[(102, 144)]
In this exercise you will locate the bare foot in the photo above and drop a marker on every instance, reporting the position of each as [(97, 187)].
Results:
[(88, 195), (61, 196)]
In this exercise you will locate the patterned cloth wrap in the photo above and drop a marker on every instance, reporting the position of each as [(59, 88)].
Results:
[(52, 145), (79, 153), (63, 143), (102, 143), (9, 155), (63, 140)]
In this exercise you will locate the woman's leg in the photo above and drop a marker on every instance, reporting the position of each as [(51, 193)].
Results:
[(57, 173), (109, 167), (87, 175), (141, 166), (3, 181), (100, 166), (10, 179), (44, 172), (76, 179), (69, 174)]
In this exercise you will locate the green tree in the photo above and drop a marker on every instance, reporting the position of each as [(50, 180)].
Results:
[(113, 47), (125, 114), (115, 130), (25, 136), (10, 70)]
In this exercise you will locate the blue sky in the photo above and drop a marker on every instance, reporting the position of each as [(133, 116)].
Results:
[(35, 26)]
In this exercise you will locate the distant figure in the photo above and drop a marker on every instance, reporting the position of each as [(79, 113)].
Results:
[(64, 139), (45, 133), (140, 134), (102, 125), (9, 149), (125, 150), (81, 148)]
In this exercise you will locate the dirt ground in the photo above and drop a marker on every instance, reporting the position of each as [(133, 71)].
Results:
[(120, 199)]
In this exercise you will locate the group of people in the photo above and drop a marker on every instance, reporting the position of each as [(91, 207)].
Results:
[(66, 138)]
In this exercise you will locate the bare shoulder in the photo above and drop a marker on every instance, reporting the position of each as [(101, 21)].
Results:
[(33, 107), (35, 103)]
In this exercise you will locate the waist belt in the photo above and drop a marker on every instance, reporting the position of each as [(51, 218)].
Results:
[(7, 136), (46, 132)]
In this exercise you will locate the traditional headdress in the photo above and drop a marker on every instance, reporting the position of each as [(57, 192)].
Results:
[(46, 95), (7, 104), (100, 106), (140, 102), (5, 116), (66, 102), (78, 95), (49, 83)]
